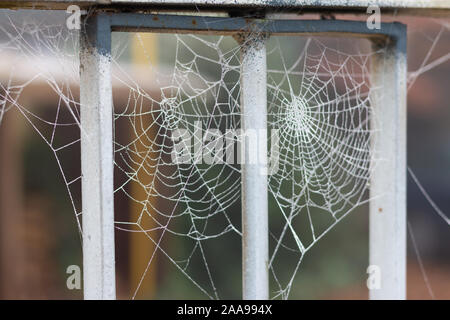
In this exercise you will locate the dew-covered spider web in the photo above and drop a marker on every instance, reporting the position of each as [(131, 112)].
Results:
[(320, 101), (177, 135)]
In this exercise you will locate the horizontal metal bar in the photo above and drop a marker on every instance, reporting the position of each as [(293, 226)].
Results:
[(407, 7), (220, 25)]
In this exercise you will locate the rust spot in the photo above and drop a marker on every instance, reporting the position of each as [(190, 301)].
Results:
[(380, 209), (155, 18), (194, 22)]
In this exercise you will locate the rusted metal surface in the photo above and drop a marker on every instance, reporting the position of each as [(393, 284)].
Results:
[(216, 25), (408, 7)]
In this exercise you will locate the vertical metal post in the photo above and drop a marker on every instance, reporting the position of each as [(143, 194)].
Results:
[(388, 184), (97, 158), (255, 233)]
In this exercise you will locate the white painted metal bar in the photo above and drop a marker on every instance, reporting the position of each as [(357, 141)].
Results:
[(388, 184), (97, 159), (255, 232)]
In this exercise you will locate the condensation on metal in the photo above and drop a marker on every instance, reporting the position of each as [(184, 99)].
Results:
[(387, 240), (96, 91), (97, 163), (255, 230)]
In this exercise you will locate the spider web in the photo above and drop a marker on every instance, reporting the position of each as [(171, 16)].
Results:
[(191, 200), (318, 99), (321, 103)]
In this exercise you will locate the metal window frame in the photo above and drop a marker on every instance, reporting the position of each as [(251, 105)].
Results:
[(430, 8), (387, 213)]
